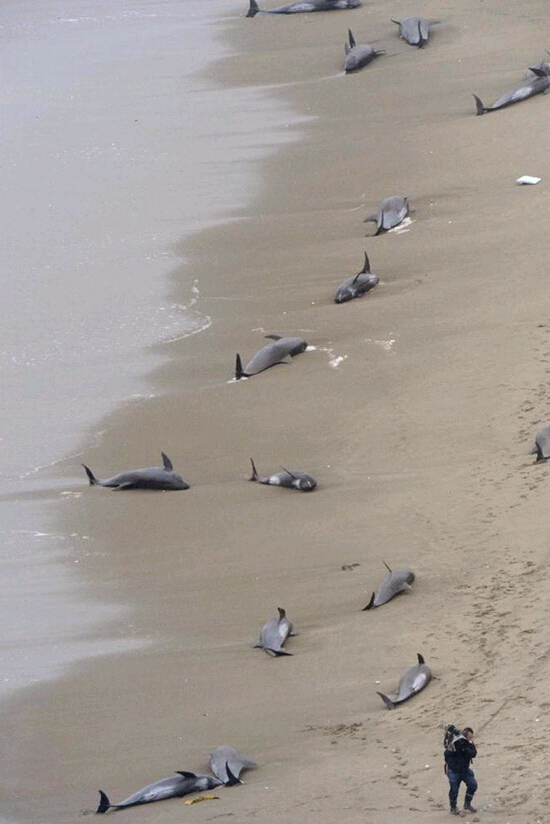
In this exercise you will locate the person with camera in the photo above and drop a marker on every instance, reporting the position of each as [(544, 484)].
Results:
[(458, 758)]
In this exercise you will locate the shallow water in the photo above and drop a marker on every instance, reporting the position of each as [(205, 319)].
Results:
[(114, 148)]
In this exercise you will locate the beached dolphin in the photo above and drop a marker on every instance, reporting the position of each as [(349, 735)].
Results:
[(358, 56), (538, 85), (393, 210), (274, 634), (393, 584), (280, 351), (305, 6), (415, 30), (176, 786), (292, 480), (413, 680), (542, 444), (153, 477), (357, 285), (227, 758)]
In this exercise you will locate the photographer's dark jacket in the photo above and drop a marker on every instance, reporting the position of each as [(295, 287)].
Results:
[(459, 760)]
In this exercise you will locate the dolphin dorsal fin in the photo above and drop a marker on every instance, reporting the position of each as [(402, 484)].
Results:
[(366, 267), (420, 658), (186, 774), (292, 475), (370, 603), (282, 613), (387, 567), (166, 462), (231, 779), (255, 475), (351, 39)]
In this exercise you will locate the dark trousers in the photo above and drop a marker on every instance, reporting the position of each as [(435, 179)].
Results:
[(455, 779)]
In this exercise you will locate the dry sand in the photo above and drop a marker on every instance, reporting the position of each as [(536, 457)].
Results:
[(418, 439)]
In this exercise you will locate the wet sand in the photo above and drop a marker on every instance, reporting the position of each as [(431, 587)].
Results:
[(415, 412)]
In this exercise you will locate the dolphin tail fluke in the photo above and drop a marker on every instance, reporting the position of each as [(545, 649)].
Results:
[(253, 9), (232, 780), (387, 701), (370, 604), (254, 476), (104, 803), (480, 108), (90, 474)]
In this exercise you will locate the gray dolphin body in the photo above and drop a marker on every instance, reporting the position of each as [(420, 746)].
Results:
[(415, 30), (280, 351), (175, 786), (542, 444), (304, 6), (538, 85), (227, 764), (358, 56), (153, 477), (394, 583), (274, 634), (412, 681), (393, 211), (357, 285), (291, 480)]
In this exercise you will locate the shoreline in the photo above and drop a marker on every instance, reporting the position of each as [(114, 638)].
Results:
[(419, 459)]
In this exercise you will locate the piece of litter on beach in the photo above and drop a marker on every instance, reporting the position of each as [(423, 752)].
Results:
[(198, 798), (527, 180)]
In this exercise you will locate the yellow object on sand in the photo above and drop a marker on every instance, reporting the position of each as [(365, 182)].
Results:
[(197, 798)]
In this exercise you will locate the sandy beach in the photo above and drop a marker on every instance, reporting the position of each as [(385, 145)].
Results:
[(415, 409)]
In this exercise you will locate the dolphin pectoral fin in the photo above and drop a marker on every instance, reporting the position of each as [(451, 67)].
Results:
[(231, 779), (292, 475), (397, 22), (253, 9), (387, 701), (167, 463), (277, 653), (370, 604), (371, 219), (104, 803), (537, 71), (480, 108), (91, 476)]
